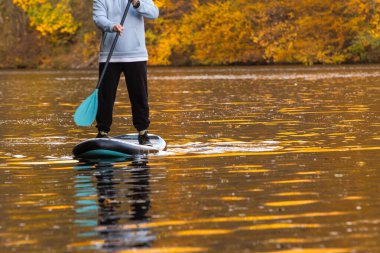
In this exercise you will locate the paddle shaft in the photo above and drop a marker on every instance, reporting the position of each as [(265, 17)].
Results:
[(113, 45)]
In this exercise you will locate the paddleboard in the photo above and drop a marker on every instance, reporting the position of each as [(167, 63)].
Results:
[(119, 146)]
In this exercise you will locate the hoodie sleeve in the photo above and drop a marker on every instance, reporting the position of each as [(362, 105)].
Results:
[(99, 16), (148, 9)]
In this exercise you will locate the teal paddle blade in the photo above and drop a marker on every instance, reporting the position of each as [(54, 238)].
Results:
[(86, 112)]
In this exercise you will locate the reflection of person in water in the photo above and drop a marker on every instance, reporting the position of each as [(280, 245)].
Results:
[(111, 211)]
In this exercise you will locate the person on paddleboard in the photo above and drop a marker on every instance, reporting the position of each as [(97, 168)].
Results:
[(130, 57)]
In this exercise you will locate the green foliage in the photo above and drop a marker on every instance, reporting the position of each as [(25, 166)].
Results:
[(365, 47)]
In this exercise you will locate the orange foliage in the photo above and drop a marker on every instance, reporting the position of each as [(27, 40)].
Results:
[(211, 32)]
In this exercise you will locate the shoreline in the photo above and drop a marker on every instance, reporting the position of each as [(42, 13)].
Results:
[(281, 65)]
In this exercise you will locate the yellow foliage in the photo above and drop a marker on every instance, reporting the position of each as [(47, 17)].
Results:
[(309, 31), (276, 31), (219, 34), (54, 20), (162, 3), (211, 34), (230, 31)]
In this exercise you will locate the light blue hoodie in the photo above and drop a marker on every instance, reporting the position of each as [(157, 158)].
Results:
[(131, 44)]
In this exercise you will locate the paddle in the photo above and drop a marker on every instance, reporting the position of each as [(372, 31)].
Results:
[(86, 112)]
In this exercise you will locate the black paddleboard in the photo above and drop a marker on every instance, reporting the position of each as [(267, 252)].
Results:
[(119, 146)]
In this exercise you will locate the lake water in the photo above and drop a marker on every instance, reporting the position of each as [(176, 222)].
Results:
[(259, 159)]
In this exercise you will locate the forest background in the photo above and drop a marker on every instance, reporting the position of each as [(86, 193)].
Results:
[(61, 33)]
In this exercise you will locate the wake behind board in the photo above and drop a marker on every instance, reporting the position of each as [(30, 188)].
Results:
[(119, 146)]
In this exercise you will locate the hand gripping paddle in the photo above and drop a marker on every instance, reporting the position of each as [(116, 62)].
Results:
[(86, 112)]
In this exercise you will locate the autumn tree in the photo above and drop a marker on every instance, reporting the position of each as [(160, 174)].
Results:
[(61, 33), (50, 19)]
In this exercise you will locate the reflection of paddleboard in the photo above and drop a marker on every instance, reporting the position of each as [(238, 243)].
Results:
[(119, 146)]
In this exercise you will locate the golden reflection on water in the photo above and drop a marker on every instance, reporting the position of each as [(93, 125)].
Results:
[(44, 163), (353, 198), (243, 166), (166, 250), (61, 168), (309, 173), (256, 190), (291, 240), (248, 171), (291, 203), (284, 194), (203, 232), (14, 167), (280, 226), (192, 169), (45, 194), (295, 181), (52, 208), (86, 244), (291, 168), (316, 250), (232, 219), (26, 202), (232, 198), (20, 243)]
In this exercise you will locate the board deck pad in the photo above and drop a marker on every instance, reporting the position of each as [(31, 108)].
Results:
[(118, 146)]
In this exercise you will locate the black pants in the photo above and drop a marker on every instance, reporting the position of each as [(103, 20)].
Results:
[(136, 78)]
